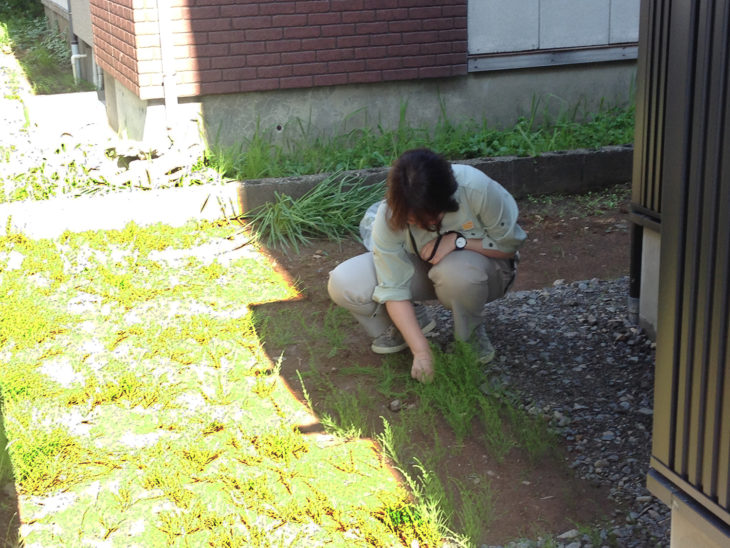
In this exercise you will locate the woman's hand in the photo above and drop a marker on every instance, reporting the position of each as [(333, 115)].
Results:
[(447, 244), (422, 368)]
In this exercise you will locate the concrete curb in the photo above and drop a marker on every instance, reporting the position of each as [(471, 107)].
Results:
[(572, 171)]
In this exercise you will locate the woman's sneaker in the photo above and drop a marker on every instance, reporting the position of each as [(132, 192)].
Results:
[(392, 341), (482, 345)]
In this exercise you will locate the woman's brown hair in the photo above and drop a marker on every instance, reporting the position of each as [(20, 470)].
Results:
[(421, 186)]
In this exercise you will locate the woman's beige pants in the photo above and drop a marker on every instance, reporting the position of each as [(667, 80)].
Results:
[(463, 281)]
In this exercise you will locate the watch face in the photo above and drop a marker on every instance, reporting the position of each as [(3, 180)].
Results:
[(460, 242)]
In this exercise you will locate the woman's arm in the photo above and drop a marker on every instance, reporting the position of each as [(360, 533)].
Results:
[(404, 318)]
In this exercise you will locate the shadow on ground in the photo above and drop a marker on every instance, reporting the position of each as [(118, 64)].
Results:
[(8, 496)]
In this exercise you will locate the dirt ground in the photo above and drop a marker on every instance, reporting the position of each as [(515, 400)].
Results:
[(568, 240)]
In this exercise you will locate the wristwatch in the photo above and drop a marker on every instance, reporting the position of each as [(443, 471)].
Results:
[(460, 241)]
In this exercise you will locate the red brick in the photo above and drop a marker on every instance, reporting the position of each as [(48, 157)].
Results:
[(318, 44), (311, 6), (423, 37), (277, 7), (391, 15), (261, 22), (147, 54), (239, 73), (402, 50), (346, 66), (450, 35), (451, 58), (247, 48), (293, 20), (460, 70), (229, 61), (404, 26), (257, 35), (368, 77), (259, 84), (206, 25), (358, 16), (383, 64), (240, 10), (210, 50), (283, 45), (372, 28), (227, 36), (459, 46), (434, 72), (279, 71), (371, 52), (296, 82), (419, 61), (353, 41), (422, 12), (380, 4), (302, 32), (204, 12), (309, 69), (331, 18), (400, 74), (192, 64), (415, 3), (335, 54), (345, 5), (330, 79), (293, 58), (264, 60), (438, 24), (337, 30), (436, 47), (219, 88), (386, 39), (454, 11)]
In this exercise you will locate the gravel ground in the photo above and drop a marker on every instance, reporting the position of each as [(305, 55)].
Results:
[(571, 354)]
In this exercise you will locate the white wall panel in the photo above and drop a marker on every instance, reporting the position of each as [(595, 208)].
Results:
[(573, 23)]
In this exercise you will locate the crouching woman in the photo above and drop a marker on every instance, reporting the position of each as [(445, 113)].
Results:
[(445, 232)]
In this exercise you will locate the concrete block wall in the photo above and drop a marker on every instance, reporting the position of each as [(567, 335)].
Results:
[(226, 46)]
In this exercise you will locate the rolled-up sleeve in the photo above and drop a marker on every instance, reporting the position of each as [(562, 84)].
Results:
[(497, 212), (393, 268)]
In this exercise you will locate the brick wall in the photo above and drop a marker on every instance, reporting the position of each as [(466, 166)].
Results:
[(232, 46), (114, 39)]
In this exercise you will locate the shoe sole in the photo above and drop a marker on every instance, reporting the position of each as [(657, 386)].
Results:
[(393, 349)]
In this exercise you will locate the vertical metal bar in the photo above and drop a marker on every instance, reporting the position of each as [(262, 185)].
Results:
[(683, 153), (698, 257), (716, 317)]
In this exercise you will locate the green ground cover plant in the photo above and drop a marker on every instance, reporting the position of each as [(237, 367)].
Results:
[(142, 409)]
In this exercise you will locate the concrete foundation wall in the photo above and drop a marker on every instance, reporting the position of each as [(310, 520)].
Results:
[(694, 529), (499, 97), (649, 300)]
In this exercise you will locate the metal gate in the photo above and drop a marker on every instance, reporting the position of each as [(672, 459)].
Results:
[(682, 179)]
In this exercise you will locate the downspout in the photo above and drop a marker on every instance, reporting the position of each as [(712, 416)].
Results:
[(167, 58), (75, 55)]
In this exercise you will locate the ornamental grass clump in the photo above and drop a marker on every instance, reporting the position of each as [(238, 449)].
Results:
[(331, 210)]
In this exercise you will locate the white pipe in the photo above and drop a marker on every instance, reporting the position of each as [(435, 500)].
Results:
[(75, 64)]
